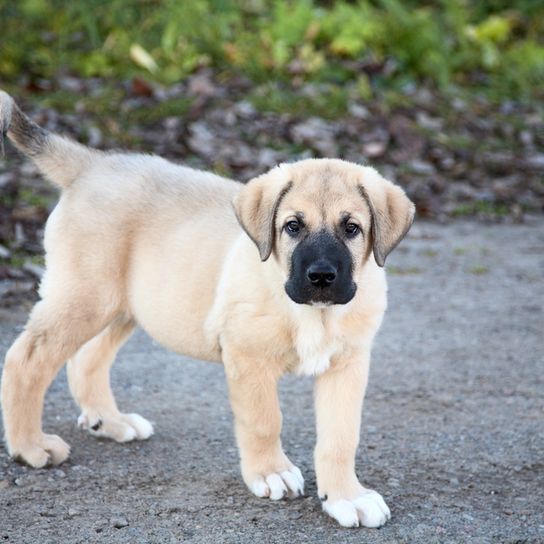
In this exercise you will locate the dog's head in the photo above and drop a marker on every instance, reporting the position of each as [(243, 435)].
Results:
[(322, 219)]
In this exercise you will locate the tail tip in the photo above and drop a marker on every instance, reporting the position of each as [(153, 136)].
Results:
[(6, 108)]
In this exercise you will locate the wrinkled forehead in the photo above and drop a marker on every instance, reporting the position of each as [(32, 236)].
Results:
[(324, 194)]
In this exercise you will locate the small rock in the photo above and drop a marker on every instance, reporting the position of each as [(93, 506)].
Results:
[(526, 138), (421, 167), (201, 140), (317, 134), (119, 521), (73, 512), (374, 149), (29, 169), (5, 253), (245, 109), (15, 288), (6, 178), (202, 85), (461, 191), (94, 136), (239, 155), (428, 122), (358, 111), (20, 236), (230, 118), (267, 157), (34, 269), (535, 162), (72, 84), (459, 104), (171, 123)]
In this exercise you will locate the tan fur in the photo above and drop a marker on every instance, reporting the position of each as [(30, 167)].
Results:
[(136, 239)]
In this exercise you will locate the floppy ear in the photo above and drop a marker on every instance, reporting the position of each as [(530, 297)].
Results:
[(256, 206), (392, 213)]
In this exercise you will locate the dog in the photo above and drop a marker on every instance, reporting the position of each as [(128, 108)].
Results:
[(282, 274)]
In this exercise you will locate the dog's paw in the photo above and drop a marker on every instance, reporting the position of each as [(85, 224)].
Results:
[(50, 449), (278, 485), (118, 427), (368, 510)]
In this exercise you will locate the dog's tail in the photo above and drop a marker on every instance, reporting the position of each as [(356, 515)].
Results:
[(61, 160)]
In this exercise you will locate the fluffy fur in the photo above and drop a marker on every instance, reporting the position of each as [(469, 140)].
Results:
[(135, 239)]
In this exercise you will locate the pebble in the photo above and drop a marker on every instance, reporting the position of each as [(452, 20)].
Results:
[(34, 269), (6, 178), (421, 167), (5, 253), (119, 521), (59, 473), (374, 149), (317, 134), (356, 110), (535, 161), (19, 234), (94, 135)]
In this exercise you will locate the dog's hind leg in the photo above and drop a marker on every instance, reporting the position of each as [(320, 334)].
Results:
[(58, 326), (89, 379)]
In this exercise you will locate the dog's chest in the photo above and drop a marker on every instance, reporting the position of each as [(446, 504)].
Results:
[(316, 341)]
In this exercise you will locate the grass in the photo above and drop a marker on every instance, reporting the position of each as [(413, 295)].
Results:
[(479, 270), (375, 48), (398, 271), (30, 197), (430, 253), (173, 107), (479, 207), (328, 101)]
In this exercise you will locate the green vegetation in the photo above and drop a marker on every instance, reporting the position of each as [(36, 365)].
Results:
[(430, 253), (492, 46), (397, 271), (479, 207), (479, 270)]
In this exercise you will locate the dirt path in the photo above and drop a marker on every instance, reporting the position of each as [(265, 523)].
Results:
[(452, 436)]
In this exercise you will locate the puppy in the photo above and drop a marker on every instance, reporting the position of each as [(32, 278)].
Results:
[(283, 274)]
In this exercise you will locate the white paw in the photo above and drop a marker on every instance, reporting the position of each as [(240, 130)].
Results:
[(119, 427), (368, 510), (275, 486)]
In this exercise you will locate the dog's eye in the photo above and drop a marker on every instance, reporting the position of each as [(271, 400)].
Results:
[(293, 227), (351, 229)]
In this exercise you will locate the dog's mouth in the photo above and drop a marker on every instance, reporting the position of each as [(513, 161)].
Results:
[(319, 297)]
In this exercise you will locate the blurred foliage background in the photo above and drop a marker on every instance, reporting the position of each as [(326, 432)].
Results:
[(444, 97), (490, 46)]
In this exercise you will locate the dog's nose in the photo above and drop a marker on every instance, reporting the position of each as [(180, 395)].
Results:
[(321, 274)]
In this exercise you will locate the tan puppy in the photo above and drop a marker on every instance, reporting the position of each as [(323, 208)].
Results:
[(298, 287)]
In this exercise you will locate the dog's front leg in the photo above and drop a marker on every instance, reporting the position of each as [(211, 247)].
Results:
[(339, 396), (266, 470)]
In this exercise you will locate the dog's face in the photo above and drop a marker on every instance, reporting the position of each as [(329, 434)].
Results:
[(321, 219)]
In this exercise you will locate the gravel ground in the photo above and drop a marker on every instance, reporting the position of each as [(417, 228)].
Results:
[(452, 434)]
